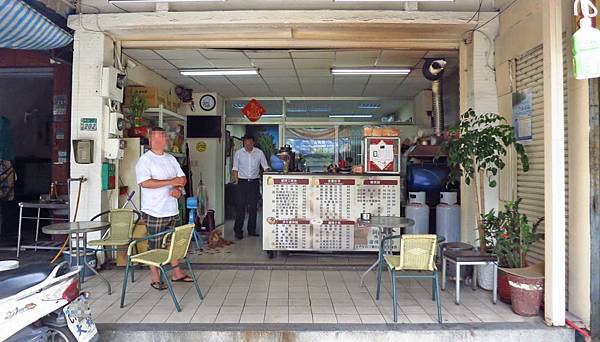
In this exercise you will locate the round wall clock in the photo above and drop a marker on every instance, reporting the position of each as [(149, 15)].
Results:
[(208, 102)]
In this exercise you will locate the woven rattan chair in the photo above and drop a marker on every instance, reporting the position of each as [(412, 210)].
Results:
[(416, 260), (122, 223), (162, 258)]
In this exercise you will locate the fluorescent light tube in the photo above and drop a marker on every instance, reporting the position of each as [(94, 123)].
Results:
[(370, 71), (296, 110), (272, 115), (218, 72), (359, 116), (156, 1), (238, 105)]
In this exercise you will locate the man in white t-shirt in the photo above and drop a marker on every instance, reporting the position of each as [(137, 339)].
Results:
[(161, 180)]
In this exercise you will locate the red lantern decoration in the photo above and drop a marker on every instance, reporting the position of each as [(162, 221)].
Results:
[(253, 110)]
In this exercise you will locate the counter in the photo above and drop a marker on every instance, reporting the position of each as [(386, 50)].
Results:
[(319, 211)]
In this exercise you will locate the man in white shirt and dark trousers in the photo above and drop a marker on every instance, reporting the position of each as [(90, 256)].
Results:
[(246, 174), (161, 180)]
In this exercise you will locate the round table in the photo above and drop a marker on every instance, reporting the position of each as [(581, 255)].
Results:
[(386, 226), (79, 231)]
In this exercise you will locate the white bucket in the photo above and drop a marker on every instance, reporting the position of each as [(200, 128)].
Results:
[(6, 265)]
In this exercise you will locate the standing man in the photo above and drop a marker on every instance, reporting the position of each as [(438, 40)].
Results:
[(246, 174), (161, 180)]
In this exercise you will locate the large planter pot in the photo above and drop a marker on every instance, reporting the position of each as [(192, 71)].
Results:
[(485, 277), (526, 294), (503, 287)]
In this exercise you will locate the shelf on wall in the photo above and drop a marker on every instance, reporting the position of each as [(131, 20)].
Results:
[(162, 113)]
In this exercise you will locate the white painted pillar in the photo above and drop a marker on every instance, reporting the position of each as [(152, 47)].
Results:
[(92, 51), (554, 159), (477, 91)]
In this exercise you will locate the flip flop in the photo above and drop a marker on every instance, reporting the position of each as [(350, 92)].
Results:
[(186, 279), (156, 285)]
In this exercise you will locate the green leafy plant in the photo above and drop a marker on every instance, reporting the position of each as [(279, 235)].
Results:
[(265, 144), (509, 234), (476, 148), (137, 106)]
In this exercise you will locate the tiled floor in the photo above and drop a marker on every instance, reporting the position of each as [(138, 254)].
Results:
[(280, 296)]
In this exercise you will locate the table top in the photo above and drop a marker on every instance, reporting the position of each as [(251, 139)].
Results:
[(75, 227), (44, 205), (387, 222)]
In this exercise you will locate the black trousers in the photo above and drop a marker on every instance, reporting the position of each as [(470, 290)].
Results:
[(247, 193)]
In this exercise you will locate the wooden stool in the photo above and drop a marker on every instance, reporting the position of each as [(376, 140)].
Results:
[(473, 258)]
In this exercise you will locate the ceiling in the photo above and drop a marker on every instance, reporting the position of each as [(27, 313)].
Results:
[(294, 73), (102, 6)]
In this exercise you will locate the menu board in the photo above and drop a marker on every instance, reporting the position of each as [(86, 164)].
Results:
[(320, 212)]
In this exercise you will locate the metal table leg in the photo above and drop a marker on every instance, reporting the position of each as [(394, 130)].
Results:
[(37, 228), (444, 261), (495, 290), (457, 299), (19, 234), (90, 267), (362, 277)]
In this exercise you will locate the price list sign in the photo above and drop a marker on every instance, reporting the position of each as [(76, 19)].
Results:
[(334, 235), (290, 198), (335, 198), (380, 197), (291, 234)]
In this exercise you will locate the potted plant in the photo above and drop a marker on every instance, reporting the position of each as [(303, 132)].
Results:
[(137, 107), (476, 148), (510, 236)]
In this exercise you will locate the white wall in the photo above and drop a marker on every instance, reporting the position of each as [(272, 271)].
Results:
[(210, 164)]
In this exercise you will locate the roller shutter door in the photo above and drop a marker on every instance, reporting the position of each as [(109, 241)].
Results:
[(530, 185)]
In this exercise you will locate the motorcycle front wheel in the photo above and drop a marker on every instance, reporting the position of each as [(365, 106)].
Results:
[(60, 334)]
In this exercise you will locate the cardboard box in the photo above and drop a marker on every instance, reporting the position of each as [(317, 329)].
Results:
[(154, 97)]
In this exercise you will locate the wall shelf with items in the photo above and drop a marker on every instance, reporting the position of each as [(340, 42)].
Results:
[(161, 114)]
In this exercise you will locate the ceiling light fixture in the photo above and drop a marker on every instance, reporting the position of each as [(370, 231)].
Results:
[(319, 110), (370, 71), (369, 106), (156, 1), (238, 105), (272, 115), (218, 72), (357, 116)]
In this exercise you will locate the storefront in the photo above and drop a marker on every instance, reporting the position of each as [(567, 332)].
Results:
[(318, 114)]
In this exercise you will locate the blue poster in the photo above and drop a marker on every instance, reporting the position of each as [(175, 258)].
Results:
[(522, 103)]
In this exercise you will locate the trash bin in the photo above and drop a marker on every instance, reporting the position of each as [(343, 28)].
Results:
[(90, 255)]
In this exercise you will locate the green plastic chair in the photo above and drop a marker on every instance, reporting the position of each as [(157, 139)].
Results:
[(416, 260), (120, 232), (180, 241)]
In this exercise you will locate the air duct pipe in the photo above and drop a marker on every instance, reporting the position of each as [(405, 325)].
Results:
[(433, 70)]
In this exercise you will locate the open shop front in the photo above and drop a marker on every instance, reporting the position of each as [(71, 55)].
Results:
[(337, 145), (319, 132)]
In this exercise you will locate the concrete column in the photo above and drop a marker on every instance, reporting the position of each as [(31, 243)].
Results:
[(92, 51), (477, 91), (554, 155)]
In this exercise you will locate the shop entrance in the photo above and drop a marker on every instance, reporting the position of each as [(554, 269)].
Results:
[(321, 116)]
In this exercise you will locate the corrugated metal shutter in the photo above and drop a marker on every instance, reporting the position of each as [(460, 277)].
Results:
[(530, 185)]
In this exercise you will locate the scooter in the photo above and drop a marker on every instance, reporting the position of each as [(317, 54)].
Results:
[(39, 302)]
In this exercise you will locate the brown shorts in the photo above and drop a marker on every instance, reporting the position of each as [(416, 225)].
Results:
[(156, 225)]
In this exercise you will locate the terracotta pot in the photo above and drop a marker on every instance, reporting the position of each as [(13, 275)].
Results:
[(526, 294), (503, 287)]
